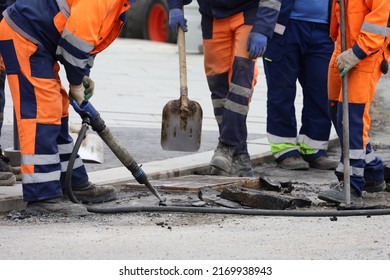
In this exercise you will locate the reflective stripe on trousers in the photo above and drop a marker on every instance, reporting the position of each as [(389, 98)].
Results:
[(301, 54)]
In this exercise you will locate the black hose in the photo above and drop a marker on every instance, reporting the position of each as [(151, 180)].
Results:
[(254, 212), (73, 156)]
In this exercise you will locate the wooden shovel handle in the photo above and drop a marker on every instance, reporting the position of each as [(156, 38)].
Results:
[(183, 70)]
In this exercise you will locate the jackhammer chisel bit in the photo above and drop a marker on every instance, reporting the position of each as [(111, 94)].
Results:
[(90, 115)]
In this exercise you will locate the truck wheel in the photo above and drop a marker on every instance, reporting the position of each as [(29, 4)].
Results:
[(148, 20)]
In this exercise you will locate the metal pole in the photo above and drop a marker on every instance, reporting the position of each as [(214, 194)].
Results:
[(347, 183)]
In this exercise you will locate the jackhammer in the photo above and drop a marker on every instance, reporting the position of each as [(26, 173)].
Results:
[(91, 117)]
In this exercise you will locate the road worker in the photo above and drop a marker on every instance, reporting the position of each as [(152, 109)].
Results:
[(35, 36), (367, 38), (235, 34), (300, 50)]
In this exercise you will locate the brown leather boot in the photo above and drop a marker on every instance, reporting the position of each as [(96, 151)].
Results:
[(324, 163), (241, 166), (223, 157), (56, 206), (7, 179), (295, 162), (90, 193)]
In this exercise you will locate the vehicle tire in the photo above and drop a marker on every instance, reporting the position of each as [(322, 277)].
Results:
[(148, 20), (135, 20)]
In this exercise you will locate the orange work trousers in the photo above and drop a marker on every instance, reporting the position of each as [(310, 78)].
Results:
[(231, 76), (41, 109), (362, 81)]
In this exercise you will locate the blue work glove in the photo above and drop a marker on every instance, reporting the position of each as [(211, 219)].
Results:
[(176, 19), (346, 61), (256, 45)]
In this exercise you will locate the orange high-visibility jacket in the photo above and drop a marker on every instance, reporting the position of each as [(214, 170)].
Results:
[(367, 25), (71, 30)]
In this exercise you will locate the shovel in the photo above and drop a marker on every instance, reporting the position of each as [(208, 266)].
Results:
[(182, 118)]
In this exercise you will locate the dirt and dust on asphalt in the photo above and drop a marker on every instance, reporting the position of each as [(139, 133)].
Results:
[(143, 234)]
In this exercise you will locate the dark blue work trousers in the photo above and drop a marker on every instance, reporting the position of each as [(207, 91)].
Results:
[(301, 54)]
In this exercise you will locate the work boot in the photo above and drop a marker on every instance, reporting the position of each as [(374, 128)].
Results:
[(7, 177), (5, 167), (295, 162), (324, 163), (90, 193), (218, 172), (223, 157), (337, 194), (241, 166), (56, 206), (374, 186)]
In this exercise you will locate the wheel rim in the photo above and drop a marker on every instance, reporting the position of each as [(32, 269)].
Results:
[(158, 23)]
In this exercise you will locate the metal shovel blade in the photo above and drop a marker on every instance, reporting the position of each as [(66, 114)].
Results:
[(91, 149), (181, 130)]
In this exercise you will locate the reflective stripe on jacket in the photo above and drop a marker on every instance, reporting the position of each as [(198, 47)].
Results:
[(367, 25), (72, 30)]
